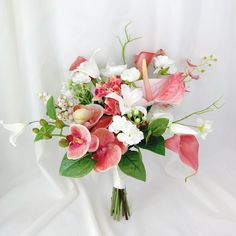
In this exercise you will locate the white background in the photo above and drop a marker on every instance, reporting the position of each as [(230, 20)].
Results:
[(39, 39)]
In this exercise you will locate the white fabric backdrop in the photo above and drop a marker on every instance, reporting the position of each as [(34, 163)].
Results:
[(38, 42)]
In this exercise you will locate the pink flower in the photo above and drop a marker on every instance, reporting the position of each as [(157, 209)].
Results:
[(193, 76), (79, 141), (143, 55), (108, 153), (104, 122), (90, 115), (77, 62), (187, 147), (190, 63), (102, 89), (111, 107), (168, 90)]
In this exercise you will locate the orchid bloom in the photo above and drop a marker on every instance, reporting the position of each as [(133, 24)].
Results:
[(88, 115), (108, 153), (168, 90), (129, 100), (16, 129), (187, 147), (80, 142)]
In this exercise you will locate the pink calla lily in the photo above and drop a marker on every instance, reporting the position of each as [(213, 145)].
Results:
[(79, 141), (108, 153), (187, 147), (77, 62)]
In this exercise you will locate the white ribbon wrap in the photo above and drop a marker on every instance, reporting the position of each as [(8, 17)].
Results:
[(118, 178)]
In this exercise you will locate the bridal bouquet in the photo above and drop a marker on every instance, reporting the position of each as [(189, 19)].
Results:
[(104, 117)]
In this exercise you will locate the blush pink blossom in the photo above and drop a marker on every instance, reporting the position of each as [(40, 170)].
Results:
[(170, 90), (79, 141), (95, 112), (108, 153), (187, 147)]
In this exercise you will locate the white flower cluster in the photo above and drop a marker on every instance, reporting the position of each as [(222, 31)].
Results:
[(43, 96), (164, 62), (66, 116), (127, 132), (63, 102)]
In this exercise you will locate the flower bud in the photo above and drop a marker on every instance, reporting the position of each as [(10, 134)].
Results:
[(63, 142), (35, 130), (59, 124), (136, 112), (130, 115), (47, 136), (43, 122), (81, 115), (137, 121)]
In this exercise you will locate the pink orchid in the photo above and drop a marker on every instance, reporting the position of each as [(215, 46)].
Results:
[(104, 122), (108, 153), (187, 147), (168, 90), (90, 115), (77, 62), (79, 141)]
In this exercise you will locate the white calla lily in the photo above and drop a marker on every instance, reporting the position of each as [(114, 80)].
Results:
[(16, 129), (182, 129), (129, 100), (110, 70)]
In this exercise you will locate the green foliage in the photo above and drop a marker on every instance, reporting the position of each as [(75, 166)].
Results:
[(154, 144), (131, 164), (77, 168), (158, 127), (51, 111), (81, 92), (45, 132)]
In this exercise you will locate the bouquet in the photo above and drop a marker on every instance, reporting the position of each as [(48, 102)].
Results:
[(104, 117)]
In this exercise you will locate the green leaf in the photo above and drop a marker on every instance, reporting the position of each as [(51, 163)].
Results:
[(77, 168), (51, 111), (155, 144), (38, 136), (132, 165), (164, 71), (49, 128), (158, 126)]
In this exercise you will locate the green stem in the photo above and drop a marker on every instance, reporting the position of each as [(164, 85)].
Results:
[(59, 135), (205, 110)]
